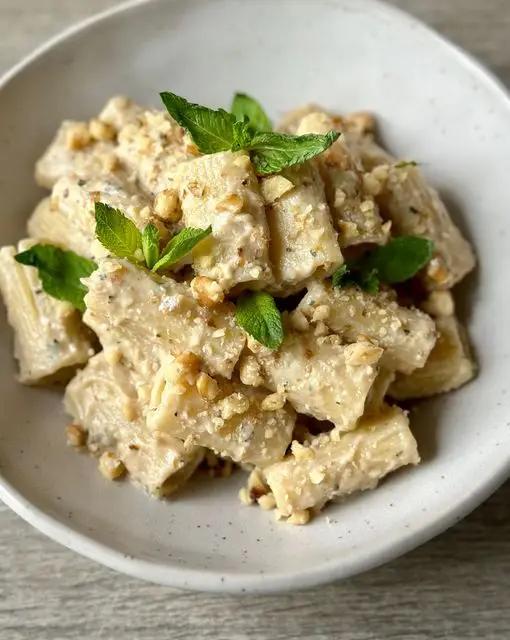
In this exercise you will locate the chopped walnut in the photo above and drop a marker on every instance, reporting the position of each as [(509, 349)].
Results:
[(348, 230), (437, 272), (182, 372), (189, 362), (362, 353), (244, 496), (273, 402), (113, 355), (256, 486), (233, 203), (267, 502), (321, 329), (321, 313), (381, 173), (274, 187), (298, 320), (100, 130), (190, 147), (301, 452), (368, 207), (250, 372), (299, 517), (110, 466), (76, 435), (78, 136), (234, 404), (167, 206), (317, 476), (207, 291), (207, 387), (371, 184), (439, 303)]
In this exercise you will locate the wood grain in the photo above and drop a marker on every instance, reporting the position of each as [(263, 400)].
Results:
[(456, 587)]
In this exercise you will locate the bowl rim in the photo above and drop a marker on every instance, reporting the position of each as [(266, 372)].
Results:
[(212, 580)]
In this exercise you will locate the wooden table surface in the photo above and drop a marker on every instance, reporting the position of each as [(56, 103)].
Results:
[(456, 587)]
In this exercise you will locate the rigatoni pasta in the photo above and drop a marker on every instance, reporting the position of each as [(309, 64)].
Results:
[(407, 335), (228, 417), (415, 208), (147, 317), (355, 212), (336, 465), (49, 339), (116, 431), (221, 190), (303, 239), (67, 219), (321, 377)]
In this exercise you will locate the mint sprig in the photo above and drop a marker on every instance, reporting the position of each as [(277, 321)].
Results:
[(399, 260), (245, 107), (259, 316), (150, 245), (218, 130), (180, 245), (60, 272), (117, 233), (272, 152), (121, 237)]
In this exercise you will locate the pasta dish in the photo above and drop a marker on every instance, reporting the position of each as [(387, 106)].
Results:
[(217, 292)]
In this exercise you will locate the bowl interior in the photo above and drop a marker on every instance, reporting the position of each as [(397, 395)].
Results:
[(346, 54)]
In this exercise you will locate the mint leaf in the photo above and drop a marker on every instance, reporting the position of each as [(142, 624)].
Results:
[(117, 233), (369, 280), (212, 131), (180, 245), (406, 163), (150, 245), (243, 136), (341, 276), (245, 107), (60, 272), (258, 315), (400, 259), (272, 152), (366, 279)]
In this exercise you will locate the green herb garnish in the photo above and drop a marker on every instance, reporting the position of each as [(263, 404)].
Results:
[(180, 245), (218, 130), (150, 245), (60, 272), (272, 152), (399, 260), (118, 234), (259, 316), (340, 277), (121, 237), (247, 108), (212, 130), (404, 164)]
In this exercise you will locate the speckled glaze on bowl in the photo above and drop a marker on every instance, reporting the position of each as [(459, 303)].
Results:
[(437, 106)]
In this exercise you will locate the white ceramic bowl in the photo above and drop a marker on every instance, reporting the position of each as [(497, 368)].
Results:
[(437, 106)]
